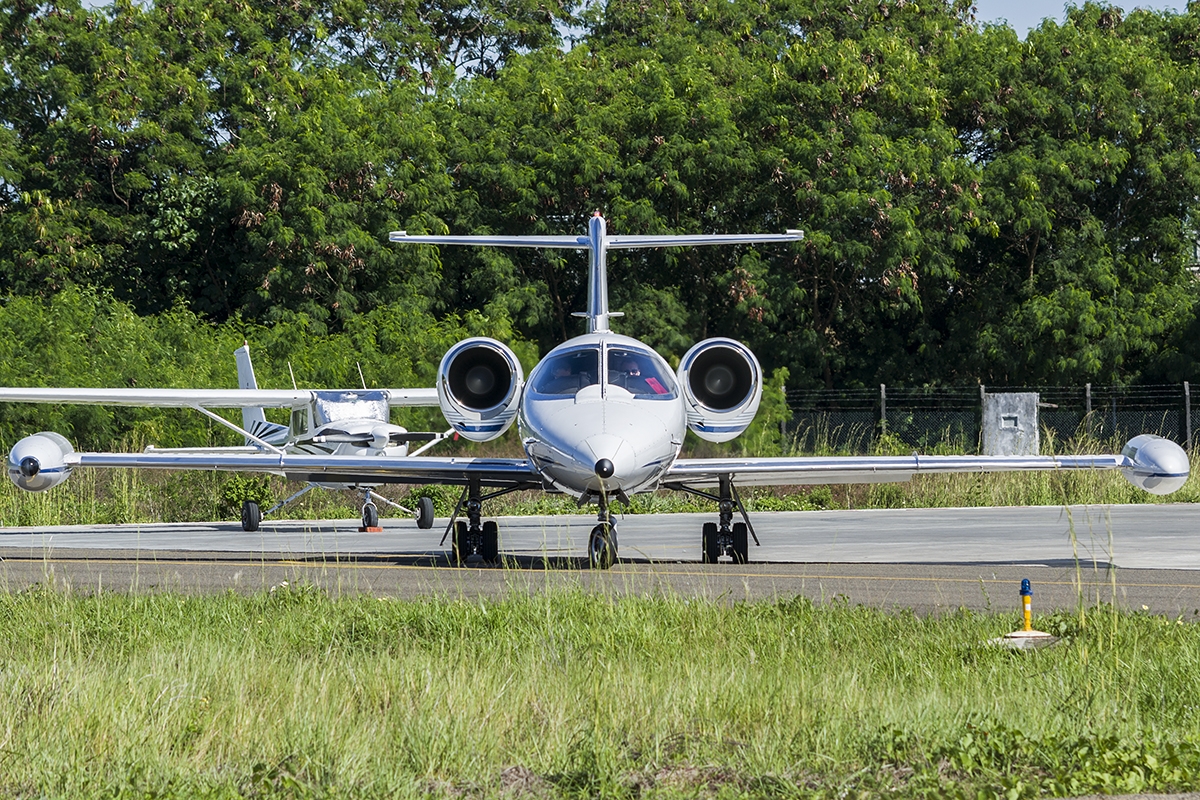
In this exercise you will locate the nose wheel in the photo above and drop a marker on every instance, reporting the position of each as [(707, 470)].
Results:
[(602, 546), (602, 541)]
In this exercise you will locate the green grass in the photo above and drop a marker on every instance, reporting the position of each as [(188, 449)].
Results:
[(290, 693)]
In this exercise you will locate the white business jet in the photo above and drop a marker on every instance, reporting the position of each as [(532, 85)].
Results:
[(601, 417)]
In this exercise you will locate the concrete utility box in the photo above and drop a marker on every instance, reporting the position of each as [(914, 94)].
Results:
[(1010, 424)]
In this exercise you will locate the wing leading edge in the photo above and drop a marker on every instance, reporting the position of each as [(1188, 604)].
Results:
[(198, 398), (706, 472), (496, 472)]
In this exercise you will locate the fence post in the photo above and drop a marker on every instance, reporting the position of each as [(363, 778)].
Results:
[(1087, 408), (982, 421), (883, 408), (1187, 413), (784, 419)]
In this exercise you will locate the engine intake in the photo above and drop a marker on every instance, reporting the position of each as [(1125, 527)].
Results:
[(479, 387), (722, 387), (39, 462)]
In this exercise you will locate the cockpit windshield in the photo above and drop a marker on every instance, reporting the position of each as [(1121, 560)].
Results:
[(640, 373), (337, 406), (566, 373)]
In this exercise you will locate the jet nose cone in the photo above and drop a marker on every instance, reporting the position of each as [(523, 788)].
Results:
[(613, 458)]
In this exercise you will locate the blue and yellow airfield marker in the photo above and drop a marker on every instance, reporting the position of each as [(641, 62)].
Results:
[(1026, 638)]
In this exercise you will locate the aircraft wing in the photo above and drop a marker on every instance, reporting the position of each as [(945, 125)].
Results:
[(706, 472), (497, 472), (193, 398)]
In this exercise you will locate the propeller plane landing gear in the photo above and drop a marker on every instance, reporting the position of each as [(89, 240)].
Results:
[(251, 516)]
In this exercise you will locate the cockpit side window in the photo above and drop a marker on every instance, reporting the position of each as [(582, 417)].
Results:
[(566, 373), (299, 421), (640, 373)]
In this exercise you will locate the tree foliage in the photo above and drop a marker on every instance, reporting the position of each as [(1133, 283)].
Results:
[(977, 207)]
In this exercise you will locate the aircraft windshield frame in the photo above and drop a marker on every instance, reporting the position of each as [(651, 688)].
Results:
[(651, 380), (564, 373), (329, 407)]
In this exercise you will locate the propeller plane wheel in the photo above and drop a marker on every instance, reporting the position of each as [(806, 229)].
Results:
[(602, 547), (710, 547), (490, 547), (425, 513), (741, 543), (459, 549), (370, 516), (251, 516)]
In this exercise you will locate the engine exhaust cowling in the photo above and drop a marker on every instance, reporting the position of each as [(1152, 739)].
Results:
[(479, 387), (39, 462), (722, 387)]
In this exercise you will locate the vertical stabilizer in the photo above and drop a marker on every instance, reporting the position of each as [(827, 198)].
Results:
[(254, 419), (597, 313)]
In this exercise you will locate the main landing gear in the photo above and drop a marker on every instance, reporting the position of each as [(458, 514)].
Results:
[(252, 515), (724, 537), (473, 535)]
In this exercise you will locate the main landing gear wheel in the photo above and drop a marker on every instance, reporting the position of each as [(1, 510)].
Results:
[(459, 549), (425, 513), (370, 516), (602, 547), (251, 516), (489, 548), (710, 547), (741, 544)]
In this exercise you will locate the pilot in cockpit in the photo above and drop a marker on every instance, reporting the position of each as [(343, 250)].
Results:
[(567, 376), (628, 375)]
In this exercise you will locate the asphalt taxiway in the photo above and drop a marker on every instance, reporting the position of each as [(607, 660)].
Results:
[(931, 560)]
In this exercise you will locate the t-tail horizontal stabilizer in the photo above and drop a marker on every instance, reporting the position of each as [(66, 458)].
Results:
[(598, 242)]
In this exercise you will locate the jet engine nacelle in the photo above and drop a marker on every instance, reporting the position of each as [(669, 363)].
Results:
[(1159, 465), (479, 387), (722, 387), (39, 462)]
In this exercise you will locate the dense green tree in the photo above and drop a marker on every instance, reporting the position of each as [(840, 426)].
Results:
[(1086, 137), (976, 207)]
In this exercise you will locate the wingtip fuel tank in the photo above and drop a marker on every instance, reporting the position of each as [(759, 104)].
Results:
[(1156, 465), (39, 462)]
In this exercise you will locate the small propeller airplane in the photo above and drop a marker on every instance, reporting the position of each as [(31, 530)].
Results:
[(343, 422), (602, 417)]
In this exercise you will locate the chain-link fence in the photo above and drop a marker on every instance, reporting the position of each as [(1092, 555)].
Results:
[(852, 420)]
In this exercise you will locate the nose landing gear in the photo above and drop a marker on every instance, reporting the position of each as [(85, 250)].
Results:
[(602, 542)]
